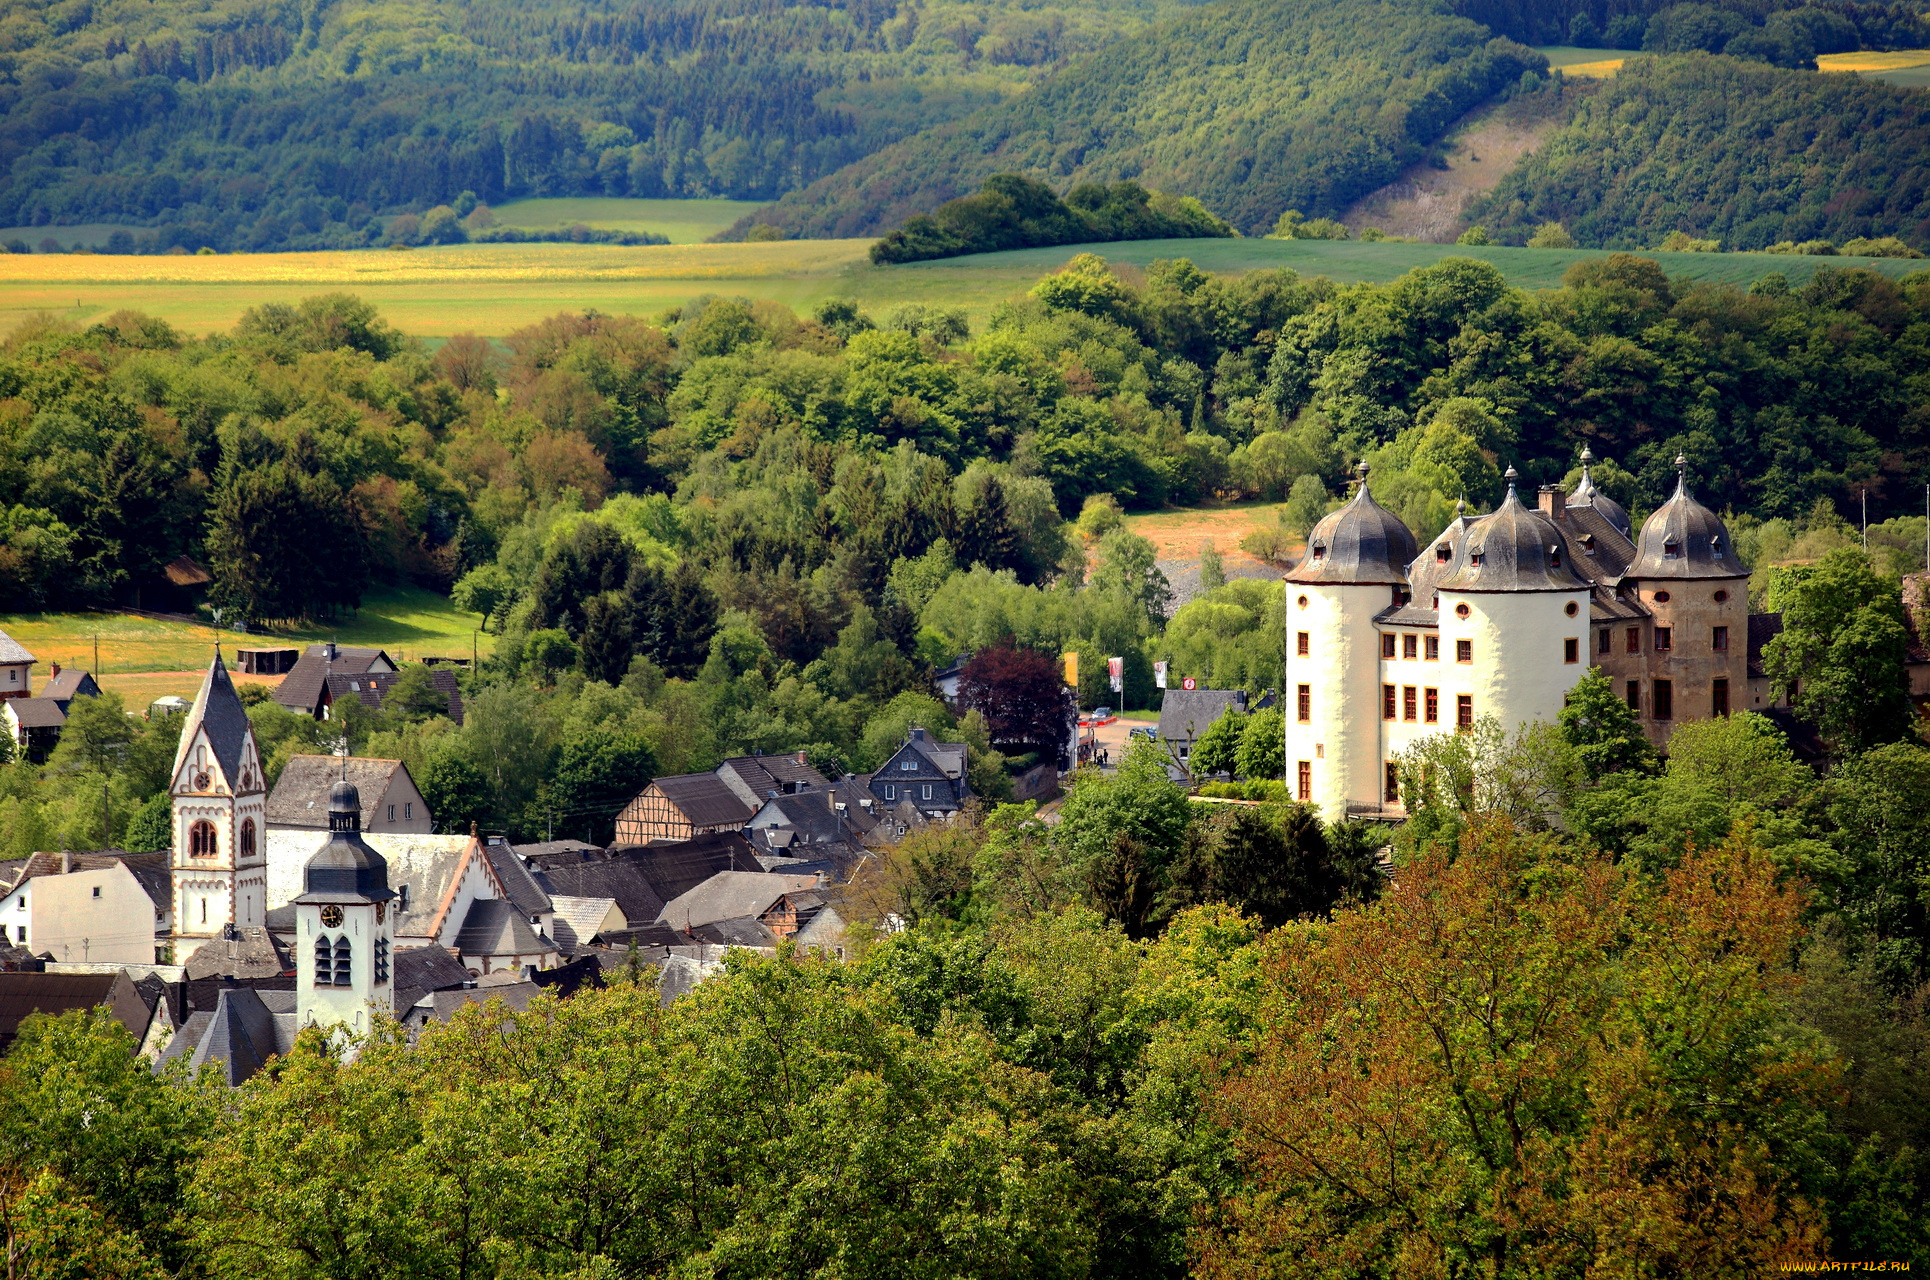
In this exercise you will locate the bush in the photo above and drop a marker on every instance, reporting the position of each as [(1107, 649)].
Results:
[(1551, 235), (1474, 236)]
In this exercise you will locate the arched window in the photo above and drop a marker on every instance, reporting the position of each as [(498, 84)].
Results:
[(343, 977), (201, 839), (247, 837), (324, 970)]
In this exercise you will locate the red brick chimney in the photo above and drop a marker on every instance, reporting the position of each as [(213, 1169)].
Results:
[(1552, 500)]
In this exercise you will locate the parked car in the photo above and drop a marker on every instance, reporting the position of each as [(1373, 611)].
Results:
[(1145, 731)]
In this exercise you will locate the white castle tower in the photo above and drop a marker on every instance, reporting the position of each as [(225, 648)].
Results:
[(220, 859), (344, 929)]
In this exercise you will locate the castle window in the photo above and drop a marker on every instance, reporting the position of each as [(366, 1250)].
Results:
[(1634, 694), (1721, 596), (1319, 552), (1634, 640), (201, 839), (1302, 602), (1719, 640), (1433, 648), (324, 968), (1478, 559), (344, 973), (1588, 544), (1664, 700), (1410, 647), (1392, 789), (1303, 644), (1305, 707), (1719, 698), (247, 837), (1410, 703), (1305, 790), (1387, 645), (1664, 638), (1554, 557), (1571, 650), (1604, 640), (1661, 597), (1671, 550), (1442, 553), (1433, 705), (1571, 608), (1464, 711), (1387, 702), (1461, 610), (1464, 651), (1715, 547)]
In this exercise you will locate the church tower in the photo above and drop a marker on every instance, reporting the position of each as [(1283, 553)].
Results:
[(344, 928), (220, 859)]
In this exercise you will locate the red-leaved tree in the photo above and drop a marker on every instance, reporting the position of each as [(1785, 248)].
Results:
[(1025, 705)]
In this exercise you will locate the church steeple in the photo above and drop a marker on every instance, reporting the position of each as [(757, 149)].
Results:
[(344, 928), (220, 858)]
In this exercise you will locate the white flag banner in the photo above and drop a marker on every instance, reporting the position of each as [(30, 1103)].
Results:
[(1159, 675)]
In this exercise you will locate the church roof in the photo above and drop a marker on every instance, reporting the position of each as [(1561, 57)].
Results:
[(346, 868), (245, 1029), (494, 927), (217, 709), (1685, 540), (1362, 542), (1587, 495), (1514, 549)]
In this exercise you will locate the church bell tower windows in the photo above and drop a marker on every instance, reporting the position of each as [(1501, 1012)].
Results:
[(201, 839)]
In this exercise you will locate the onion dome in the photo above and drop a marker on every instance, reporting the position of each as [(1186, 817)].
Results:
[(1438, 558), (1362, 542), (346, 869), (1684, 539), (1515, 549), (1587, 495)]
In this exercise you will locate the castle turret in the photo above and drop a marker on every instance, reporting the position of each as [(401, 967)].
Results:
[(1354, 570), (344, 927)]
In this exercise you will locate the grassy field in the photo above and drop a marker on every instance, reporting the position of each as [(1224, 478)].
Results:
[(1179, 534), (492, 289), (684, 221), (150, 657), (1597, 64)]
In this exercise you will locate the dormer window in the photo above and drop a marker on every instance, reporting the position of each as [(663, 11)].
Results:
[(1319, 551), (1554, 557), (1715, 547), (1671, 550), (1588, 544), (1443, 553), (1477, 559)]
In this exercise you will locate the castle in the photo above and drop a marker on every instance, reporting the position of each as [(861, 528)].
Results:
[(1501, 615)]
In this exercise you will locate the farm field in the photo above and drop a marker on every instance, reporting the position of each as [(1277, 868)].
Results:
[(1597, 64), (684, 221), (150, 657), (492, 289), (1891, 60)]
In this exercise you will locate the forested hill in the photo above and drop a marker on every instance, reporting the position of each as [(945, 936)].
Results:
[(1743, 152), (296, 123), (1252, 106)]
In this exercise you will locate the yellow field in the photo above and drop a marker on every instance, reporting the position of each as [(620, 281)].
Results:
[(1895, 60), (1595, 70)]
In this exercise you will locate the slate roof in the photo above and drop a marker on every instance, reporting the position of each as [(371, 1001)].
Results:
[(741, 931), (71, 683), (182, 571), (530, 897), (11, 650), (625, 880), (754, 778), (1601, 550), (1516, 548), (421, 970), (706, 799), (577, 920), (150, 869), (548, 848), (1702, 545), (1185, 714), (25, 994), (495, 927), (37, 713), (440, 1006), (1588, 496), (237, 1037), (1362, 542), (300, 797), (217, 708), (427, 864), (371, 687), (302, 687), (240, 952), (730, 894)]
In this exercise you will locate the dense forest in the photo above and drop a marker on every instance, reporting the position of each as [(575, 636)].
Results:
[(1013, 212), (1608, 1015), (252, 124), (1731, 150)]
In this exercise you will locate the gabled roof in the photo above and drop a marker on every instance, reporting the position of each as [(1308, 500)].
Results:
[(240, 952), (731, 894), (70, 683), (580, 920), (495, 927), (624, 880), (530, 897), (754, 778), (300, 797), (37, 713), (421, 970), (25, 994), (440, 1006), (150, 869), (11, 650), (705, 799), (428, 865), (237, 1038), (1185, 714), (742, 931), (217, 709), (301, 689)]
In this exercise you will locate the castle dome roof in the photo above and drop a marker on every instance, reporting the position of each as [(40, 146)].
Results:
[(346, 869), (1363, 542), (1438, 558), (1684, 539), (1514, 549), (1587, 495)]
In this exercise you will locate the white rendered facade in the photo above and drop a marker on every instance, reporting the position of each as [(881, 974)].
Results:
[(219, 794), (363, 934)]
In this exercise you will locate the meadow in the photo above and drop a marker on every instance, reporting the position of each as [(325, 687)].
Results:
[(145, 658), (492, 289), (1596, 64), (684, 221)]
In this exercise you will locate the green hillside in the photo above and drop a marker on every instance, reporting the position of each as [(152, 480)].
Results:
[(249, 124), (1743, 152), (1251, 106)]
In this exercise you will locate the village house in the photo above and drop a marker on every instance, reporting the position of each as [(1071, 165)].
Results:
[(305, 688), (928, 773), (107, 907), (16, 668), (1186, 714), (391, 803), (24, 994), (694, 804)]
